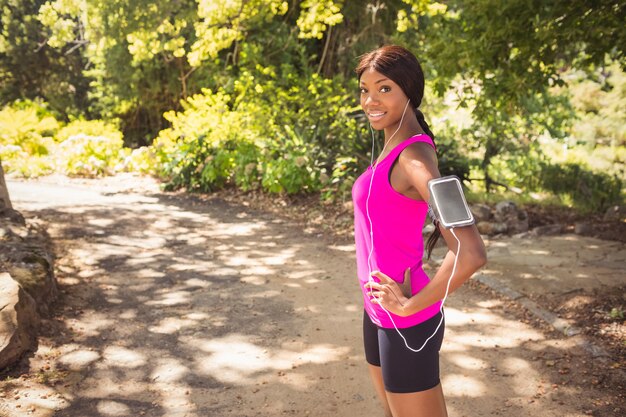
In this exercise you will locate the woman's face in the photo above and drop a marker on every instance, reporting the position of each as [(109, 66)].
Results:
[(382, 100)]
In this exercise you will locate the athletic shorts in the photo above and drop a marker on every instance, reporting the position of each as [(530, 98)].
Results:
[(403, 370)]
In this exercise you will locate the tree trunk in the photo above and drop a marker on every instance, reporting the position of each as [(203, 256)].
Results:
[(5, 201)]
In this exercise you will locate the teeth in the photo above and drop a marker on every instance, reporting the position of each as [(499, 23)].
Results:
[(376, 114)]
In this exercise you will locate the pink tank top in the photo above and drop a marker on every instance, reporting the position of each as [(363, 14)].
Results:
[(398, 244)]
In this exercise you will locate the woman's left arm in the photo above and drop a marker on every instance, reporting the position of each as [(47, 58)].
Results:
[(420, 166), (469, 259)]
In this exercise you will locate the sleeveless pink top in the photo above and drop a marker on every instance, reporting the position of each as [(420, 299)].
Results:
[(398, 244)]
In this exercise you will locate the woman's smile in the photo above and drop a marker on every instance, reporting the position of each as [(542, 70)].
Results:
[(375, 115)]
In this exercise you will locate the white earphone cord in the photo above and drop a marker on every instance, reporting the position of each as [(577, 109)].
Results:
[(369, 257)]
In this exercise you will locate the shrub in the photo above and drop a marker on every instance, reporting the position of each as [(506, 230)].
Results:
[(93, 128), (589, 191), (26, 130), (142, 160), (90, 156)]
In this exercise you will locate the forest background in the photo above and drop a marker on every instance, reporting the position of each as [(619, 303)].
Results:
[(526, 98)]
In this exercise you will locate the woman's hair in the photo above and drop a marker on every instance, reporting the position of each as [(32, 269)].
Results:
[(402, 67)]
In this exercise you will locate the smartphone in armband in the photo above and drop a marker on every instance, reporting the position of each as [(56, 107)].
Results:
[(447, 202)]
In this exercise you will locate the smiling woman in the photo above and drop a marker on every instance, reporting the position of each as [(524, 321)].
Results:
[(403, 306)]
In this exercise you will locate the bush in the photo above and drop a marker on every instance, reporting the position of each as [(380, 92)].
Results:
[(142, 160), (589, 191), (83, 155), (266, 132), (26, 130), (93, 128), (33, 143)]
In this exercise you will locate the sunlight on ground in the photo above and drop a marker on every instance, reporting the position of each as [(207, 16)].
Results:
[(463, 386), (455, 317), (466, 361), (113, 408), (342, 248), (122, 357), (171, 325), (242, 229), (521, 371), (171, 298), (233, 359), (79, 358), (94, 324)]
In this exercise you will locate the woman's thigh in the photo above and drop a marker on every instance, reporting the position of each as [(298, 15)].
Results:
[(377, 379), (404, 370), (429, 403)]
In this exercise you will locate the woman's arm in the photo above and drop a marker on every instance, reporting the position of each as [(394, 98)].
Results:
[(419, 165)]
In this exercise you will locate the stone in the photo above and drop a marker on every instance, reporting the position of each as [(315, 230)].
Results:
[(515, 218), (481, 212), (491, 228), (615, 213), (582, 228), (25, 253), (548, 230), (35, 274), (19, 321)]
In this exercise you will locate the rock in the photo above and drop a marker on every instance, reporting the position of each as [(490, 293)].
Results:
[(481, 212), (25, 253), (582, 228), (516, 219), (491, 228), (35, 274), (547, 230), (615, 213), (19, 320)]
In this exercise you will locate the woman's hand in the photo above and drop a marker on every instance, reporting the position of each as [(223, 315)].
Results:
[(388, 293)]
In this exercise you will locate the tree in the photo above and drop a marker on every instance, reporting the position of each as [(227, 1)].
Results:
[(5, 201), (31, 69), (504, 57)]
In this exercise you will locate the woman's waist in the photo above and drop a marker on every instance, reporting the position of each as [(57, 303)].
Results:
[(395, 271)]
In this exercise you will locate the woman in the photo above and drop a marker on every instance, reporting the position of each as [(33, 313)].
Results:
[(389, 210)]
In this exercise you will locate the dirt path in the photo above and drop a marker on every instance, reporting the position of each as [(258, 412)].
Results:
[(176, 306)]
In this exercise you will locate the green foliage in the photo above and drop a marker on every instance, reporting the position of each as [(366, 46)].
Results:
[(25, 128), (268, 130), (89, 148), (89, 128), (34, 143), (142, 160), (261, 94), (599, 103), (26, 138), (89, 156), (30, 69), (451, 159), (589, 191), (317, 16), (617, 313)]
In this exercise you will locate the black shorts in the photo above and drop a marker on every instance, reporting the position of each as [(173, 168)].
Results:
[(403, 370)]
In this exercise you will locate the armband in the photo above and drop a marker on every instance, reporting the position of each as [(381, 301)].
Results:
[(447, 204)]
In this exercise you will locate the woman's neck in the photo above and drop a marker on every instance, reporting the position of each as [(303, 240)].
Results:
[(410, 127)]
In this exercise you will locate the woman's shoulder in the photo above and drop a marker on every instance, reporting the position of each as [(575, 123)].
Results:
[(422, 152)]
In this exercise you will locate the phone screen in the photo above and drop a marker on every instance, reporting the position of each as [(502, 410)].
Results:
[(450, 202)]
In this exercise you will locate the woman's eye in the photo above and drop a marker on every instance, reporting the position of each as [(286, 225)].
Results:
[(362, 90), (385, 89)]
